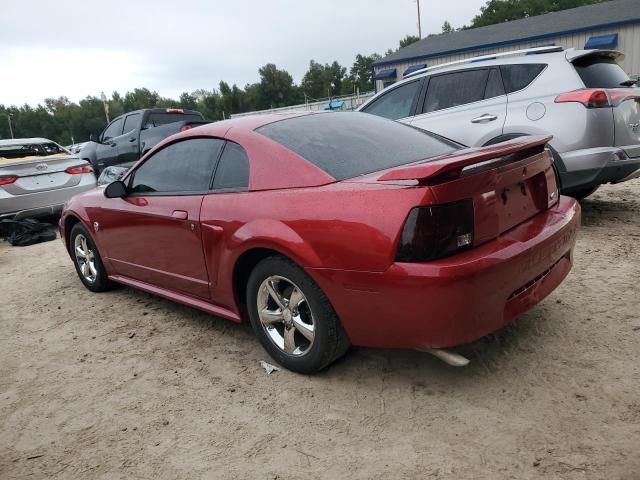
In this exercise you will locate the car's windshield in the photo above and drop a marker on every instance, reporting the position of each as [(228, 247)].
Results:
[(347, 145), (31, 150)]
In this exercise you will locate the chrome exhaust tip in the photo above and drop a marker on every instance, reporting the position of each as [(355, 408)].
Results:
[(448, 357)]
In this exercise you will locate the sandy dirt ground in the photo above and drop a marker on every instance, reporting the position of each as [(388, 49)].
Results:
[(127, 385)]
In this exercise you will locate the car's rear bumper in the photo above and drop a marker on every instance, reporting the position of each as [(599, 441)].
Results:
[(460, 298), (42, 203), (595, 166)]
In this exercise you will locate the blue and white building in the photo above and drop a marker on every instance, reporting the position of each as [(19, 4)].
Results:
[(611, 25)]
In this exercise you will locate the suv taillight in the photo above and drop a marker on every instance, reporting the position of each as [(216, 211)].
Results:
[(436, 231), (590, 98), (79, 169), (598, 97)]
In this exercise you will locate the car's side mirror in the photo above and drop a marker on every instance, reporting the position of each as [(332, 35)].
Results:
[(94, 138), (116, 189)]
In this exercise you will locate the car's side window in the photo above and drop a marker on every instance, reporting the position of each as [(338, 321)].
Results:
[(396, 103), (113, 130), (454, 89), (131, 122), (517, 77), (181, 167), (495, 88), (233, 169)]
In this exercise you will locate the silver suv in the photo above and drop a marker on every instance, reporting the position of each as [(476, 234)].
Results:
[(581, 97)]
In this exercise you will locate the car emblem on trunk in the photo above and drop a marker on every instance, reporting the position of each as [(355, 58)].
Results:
[(635, 127), (41, 167)]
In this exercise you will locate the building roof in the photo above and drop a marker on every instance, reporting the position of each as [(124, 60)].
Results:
[(591, 17)]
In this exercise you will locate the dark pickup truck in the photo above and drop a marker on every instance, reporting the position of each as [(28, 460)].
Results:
[(130, 136)]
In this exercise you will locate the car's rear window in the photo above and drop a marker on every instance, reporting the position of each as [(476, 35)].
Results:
[(157, 119), (31, 149), (598, 72), (350, 144)]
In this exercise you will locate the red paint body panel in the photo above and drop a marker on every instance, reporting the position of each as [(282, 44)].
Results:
[(345, 235), (460, 298)]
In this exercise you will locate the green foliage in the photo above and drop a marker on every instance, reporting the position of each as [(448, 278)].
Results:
[(408, 40), (447, 28), (497, 11)]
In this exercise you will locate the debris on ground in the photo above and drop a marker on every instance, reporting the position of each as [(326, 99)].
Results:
[(268, 367), (29, 231)]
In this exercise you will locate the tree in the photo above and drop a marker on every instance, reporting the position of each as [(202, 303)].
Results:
[(140, 98), (361, 74), (447, 28), (276, 88), (408, 40), (188, 101), (325, 80), (498, 11)]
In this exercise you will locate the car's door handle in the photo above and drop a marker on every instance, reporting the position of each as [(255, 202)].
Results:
[(132, 139), (180, 214), (487, 117)]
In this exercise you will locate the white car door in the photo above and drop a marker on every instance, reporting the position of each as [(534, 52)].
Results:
[(468, 106)]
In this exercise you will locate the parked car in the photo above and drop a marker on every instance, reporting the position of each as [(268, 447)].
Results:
[(581, 97), (330, 229), (37, 176), (133, 134)]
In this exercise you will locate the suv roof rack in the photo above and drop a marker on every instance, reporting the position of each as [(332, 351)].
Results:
[(491, 56)]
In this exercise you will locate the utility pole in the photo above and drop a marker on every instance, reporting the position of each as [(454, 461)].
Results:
[(10, 127), (103, 97), (419, 23)]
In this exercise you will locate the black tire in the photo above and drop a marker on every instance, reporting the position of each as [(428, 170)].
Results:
[(100, 283), (329, 341), (583, 193)]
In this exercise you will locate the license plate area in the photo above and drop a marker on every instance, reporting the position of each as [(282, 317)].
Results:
[(47, 181)]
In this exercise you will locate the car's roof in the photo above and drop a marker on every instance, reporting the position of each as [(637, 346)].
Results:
[(248, 123), (22, 141)]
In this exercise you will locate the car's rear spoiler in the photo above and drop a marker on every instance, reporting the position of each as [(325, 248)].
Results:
[(450, 166), (572, 54)]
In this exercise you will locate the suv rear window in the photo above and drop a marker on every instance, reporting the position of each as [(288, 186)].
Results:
[(350, 144), (600, 72), (517, 77)]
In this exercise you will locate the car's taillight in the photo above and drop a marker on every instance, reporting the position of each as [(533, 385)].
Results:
[(7, 179), (590, 98), (436, 231), (79, 169), (598, 97), (184, 128)]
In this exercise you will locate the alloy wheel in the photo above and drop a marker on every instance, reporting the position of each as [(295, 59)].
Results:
[(285, 315), (85, 258)]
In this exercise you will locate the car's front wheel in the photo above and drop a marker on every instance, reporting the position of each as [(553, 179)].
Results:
[(87, 261), (292, 317)]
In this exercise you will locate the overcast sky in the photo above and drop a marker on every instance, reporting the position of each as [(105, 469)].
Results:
[(77, 48)]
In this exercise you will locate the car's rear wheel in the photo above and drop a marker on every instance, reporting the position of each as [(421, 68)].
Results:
[(87, 261), (292, 317)]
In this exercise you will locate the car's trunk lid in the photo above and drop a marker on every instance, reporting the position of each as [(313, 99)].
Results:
[(509, 182), (39, 173)]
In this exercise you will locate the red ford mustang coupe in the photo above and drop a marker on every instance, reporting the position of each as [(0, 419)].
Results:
[(331, 229)]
